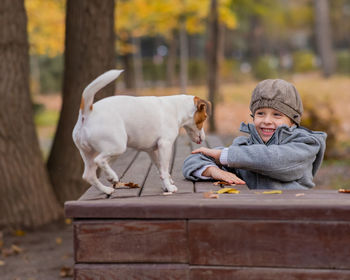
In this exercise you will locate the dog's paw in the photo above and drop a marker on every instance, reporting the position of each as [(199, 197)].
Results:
[(172, 188), (108, 190)]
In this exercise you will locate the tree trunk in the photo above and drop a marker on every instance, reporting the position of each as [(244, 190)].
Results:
[(26, 197), (255, 37), (171, 61), (129, 79), (89, 51), (183, 56), (324, 37), (137, 62), (213, 60)]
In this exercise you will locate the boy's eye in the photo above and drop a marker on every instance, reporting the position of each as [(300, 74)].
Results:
[(277, 115), (259, 113)]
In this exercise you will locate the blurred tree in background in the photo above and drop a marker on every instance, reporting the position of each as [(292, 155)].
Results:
[(27, 198), (46, 24), (159, 41), (89, 52)]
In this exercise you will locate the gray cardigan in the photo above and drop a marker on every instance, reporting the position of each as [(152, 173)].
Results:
[(289, 160)]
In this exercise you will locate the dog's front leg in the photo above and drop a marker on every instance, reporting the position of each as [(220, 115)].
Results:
[(164, 156)]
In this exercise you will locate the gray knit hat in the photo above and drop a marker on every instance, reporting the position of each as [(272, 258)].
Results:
[(279, 95)]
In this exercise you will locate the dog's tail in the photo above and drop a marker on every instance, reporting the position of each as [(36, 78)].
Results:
[(97, 84)]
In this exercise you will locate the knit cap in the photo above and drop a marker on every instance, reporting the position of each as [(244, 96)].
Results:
[(279, 95)]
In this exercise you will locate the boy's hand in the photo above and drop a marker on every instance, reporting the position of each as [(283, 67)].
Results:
[(221, 175), (209, 152)]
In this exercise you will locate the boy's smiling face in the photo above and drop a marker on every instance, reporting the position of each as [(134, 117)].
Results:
[(266, 120)]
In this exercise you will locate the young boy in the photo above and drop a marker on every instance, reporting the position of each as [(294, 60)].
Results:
[(277, 154)]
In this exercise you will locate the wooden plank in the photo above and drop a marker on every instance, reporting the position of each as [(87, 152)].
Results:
[(270, 243), (131, 271), (130, 241), (206, 186), (93, 193), (321, 205), (255, 273), (137, 173), (124, 161), (152, 185)]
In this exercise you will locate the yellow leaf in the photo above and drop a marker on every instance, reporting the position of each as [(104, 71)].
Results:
[(58, 240), (19, 233), (68, 221), (272, 192), (228, 190)]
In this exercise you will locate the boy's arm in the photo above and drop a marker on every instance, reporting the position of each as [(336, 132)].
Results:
[(194, 163), (200, 166), (285, 162)]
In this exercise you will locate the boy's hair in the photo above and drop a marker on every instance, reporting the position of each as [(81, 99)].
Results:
[(279, 95)]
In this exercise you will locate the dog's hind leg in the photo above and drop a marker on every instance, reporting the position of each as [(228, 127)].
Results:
[(102, 160), (89, 174)]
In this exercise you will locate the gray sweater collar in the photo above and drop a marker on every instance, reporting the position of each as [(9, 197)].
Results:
[(281, 133)]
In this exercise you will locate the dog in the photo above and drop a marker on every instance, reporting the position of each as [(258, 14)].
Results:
[(106, 128)]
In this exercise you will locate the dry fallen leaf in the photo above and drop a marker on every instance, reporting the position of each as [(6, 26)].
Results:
[(210, 195), (68, 221), (58, 240), (66, 272), (344, 190), (130, 185), (299, 194), (16, 249), (13, 250), (19, 233), (2, 263), (272, 192), (228, 190)]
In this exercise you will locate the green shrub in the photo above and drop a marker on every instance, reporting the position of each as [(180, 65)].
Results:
[(303, 61), (319, 115), (197, 70), (51, 74), (46, 117), (343, 61), (153, 72), (265, 67), (230, 70)]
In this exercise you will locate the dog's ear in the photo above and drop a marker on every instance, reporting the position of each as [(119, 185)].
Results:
[(202, 105)]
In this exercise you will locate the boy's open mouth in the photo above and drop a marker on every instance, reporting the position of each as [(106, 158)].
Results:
[(267, 131)]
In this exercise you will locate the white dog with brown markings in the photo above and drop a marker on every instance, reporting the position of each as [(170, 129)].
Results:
[(105, 129)]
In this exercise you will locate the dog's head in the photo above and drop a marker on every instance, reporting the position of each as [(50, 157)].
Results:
[(194, 127)]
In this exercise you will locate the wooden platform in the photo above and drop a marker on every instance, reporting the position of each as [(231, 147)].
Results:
[(142, 234)]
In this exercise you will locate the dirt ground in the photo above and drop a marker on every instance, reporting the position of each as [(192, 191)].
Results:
[(43, 254)]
